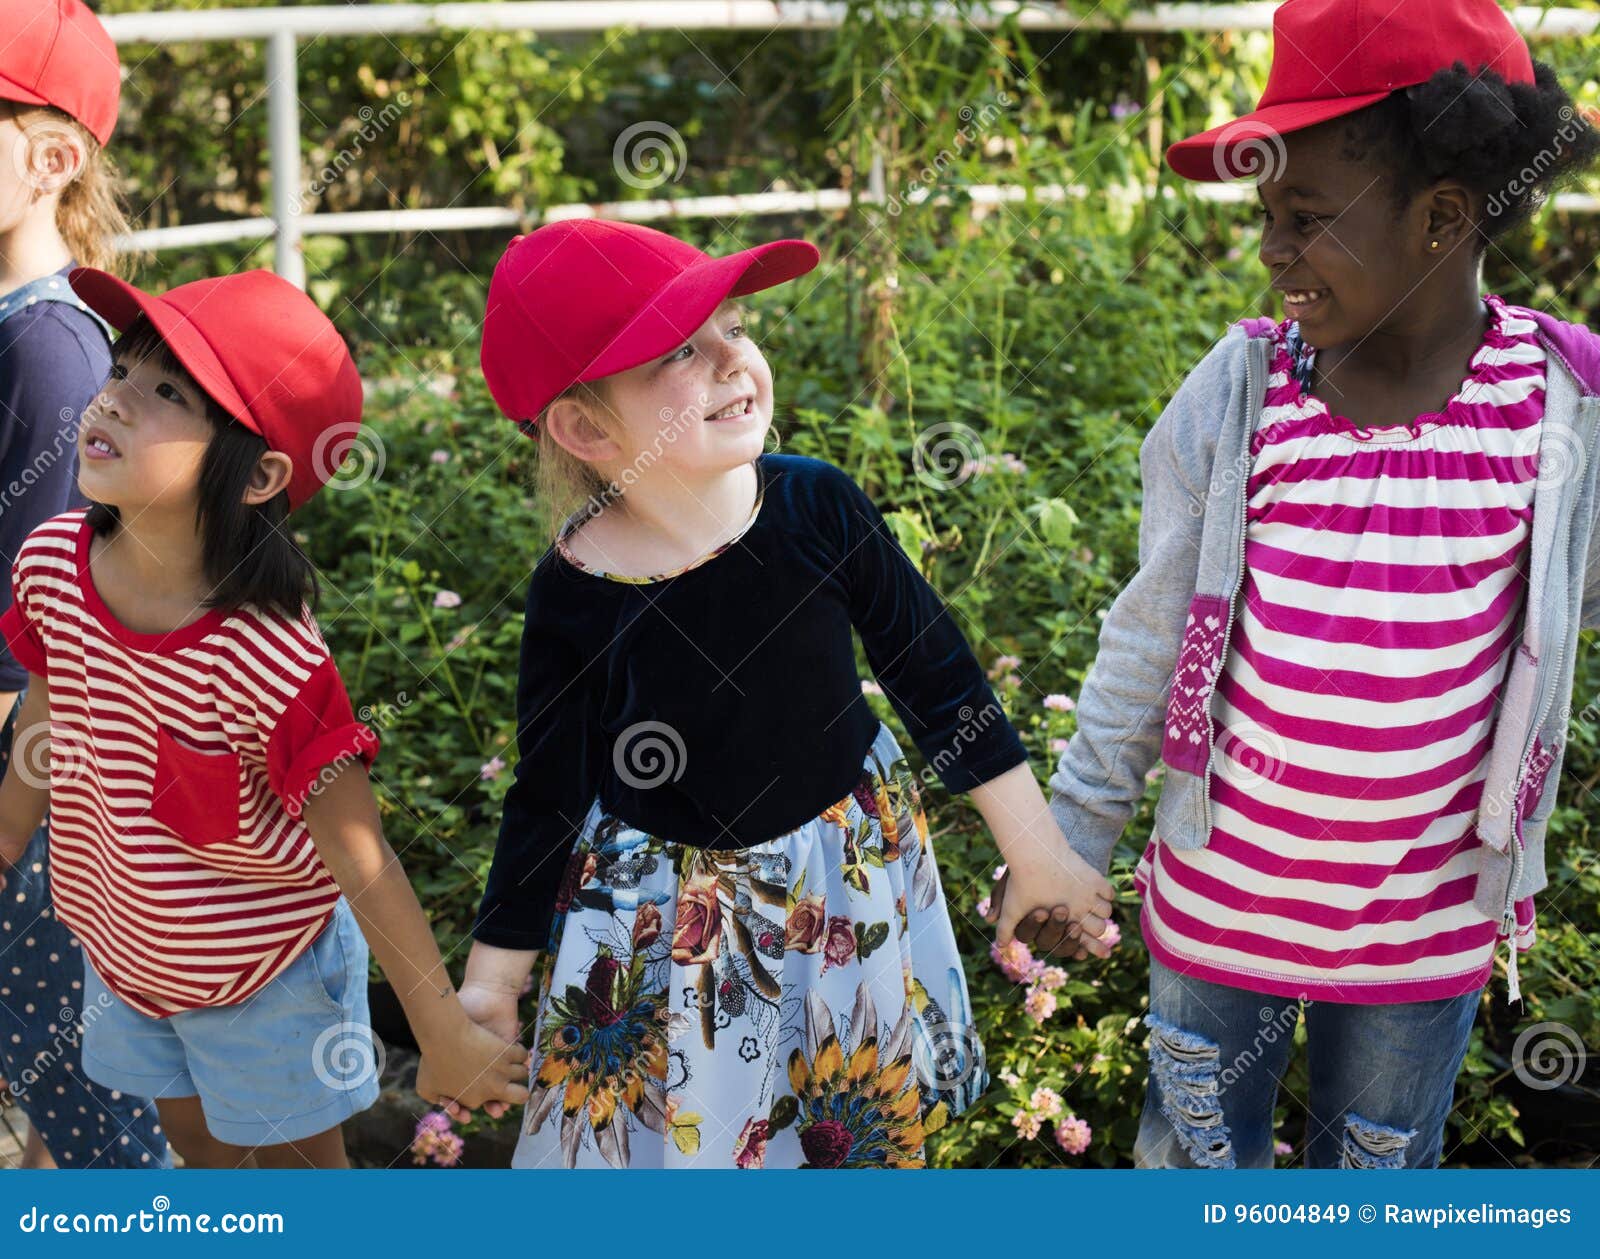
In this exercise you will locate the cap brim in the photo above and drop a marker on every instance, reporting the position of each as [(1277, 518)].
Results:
[(120, 304), (689, 298), (11, 90), (1251, 147)]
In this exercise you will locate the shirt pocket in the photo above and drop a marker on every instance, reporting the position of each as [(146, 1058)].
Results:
[(195, 794)]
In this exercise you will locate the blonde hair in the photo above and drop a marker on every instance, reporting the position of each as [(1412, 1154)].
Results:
[(91, 213), (564, 483)]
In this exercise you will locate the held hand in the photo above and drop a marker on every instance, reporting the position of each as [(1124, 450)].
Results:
[(1059, 908), (475, 1067), (494, 1009)]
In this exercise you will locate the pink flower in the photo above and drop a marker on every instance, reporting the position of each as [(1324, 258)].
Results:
[(435, 1121), (1072, 1134), (1051, 978), (435, 1139), (999, 873), (1112, 935), (1059, 703), (871, 688), (440, 456), (1282, 1149), (1004, 664), (983, 907), (1040, 1004), (491, 768), (1046, 1101), (1015, 959), (447, 599), (1027, 1124), (1058, 746)]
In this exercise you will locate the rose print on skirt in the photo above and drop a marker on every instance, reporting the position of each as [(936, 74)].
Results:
[(798, 1003)]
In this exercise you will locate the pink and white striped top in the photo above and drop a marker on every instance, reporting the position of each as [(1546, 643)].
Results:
[(1383, 595)]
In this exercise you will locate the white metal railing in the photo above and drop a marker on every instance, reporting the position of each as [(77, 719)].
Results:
[(283, 28)]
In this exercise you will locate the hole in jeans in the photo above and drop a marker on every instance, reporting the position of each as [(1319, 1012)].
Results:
[(1368, 1144), (1186, 1067)]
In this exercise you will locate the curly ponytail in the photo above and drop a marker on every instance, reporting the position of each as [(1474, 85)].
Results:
[(1511, 143)]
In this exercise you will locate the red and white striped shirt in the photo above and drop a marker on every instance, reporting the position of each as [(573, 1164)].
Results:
[(1383, 596), (179, 766)]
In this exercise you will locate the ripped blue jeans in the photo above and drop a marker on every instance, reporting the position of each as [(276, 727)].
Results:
[(1382, 1076)]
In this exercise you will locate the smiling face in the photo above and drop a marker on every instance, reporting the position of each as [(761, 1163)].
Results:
[(143, 439), (701, 408), (1347, 257)]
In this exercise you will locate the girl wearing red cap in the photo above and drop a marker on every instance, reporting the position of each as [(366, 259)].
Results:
[(215, 840), (59, 89), (721, 847), (1368, 547)]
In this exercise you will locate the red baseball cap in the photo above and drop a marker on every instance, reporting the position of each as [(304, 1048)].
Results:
[(56, 53), (1333, 57), (262, 350), (584, 298)]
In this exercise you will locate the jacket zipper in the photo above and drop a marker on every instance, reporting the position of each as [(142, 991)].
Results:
[(1233, 596)]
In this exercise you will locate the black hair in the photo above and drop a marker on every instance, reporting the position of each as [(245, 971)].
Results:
[(1510, 143), (248, 552)]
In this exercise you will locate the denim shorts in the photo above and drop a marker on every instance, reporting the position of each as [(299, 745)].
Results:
[(295, 1059)]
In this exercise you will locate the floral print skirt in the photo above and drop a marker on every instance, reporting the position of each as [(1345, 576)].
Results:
[(797, 1003)]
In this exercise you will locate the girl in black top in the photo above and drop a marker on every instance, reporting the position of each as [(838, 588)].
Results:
[(720, 845)]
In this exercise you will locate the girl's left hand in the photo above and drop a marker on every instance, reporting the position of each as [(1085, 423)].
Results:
[(1050, 930), (473, 1068)]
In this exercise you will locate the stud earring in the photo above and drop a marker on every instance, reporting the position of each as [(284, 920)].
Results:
[(1433, 245)]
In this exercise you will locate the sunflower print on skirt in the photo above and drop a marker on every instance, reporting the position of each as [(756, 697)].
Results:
[(765, 1006)]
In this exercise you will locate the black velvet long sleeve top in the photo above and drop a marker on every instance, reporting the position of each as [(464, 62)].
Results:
[(720, 707)]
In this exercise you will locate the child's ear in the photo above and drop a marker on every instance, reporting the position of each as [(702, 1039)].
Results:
[(576, 431), (269, 477), (55, 154), (1451, 217)]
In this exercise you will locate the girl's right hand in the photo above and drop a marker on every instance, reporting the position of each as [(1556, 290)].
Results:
[(492, 1007)]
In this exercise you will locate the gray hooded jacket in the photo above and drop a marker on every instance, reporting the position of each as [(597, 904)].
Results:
[(1163, 644)]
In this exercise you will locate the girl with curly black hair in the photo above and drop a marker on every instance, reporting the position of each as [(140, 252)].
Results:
[(1365, 556)]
